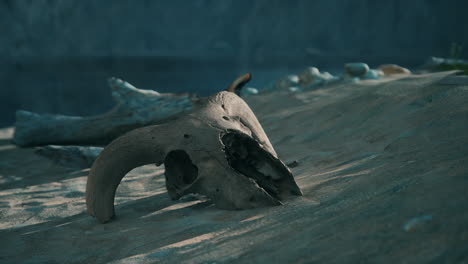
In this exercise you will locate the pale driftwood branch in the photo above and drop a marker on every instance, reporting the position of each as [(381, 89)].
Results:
[(135, 108)]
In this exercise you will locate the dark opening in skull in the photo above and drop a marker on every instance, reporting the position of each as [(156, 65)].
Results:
[(246, 156), (180, 172)]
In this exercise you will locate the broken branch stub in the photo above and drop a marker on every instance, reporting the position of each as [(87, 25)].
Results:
[(219, 150), (134, 108), (239, 83)]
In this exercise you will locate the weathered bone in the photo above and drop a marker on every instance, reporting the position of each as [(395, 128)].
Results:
[(218, 150), (134, 108)]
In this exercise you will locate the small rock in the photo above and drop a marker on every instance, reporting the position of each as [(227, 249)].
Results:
[(329, 77), (390, 69), (311, 77), (249, 91), (350, 79), (373, 74), (294, 89), (356, 69), (289, 81)]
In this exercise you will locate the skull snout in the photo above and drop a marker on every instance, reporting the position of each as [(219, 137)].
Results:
[(245, 155)]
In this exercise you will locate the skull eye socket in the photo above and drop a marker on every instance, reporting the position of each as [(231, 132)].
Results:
[(245, 155), (180, 172)]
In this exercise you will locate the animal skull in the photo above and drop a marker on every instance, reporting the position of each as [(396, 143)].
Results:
[(219, 150)]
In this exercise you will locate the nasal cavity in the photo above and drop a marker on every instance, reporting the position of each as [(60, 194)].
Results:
[(245, 155)]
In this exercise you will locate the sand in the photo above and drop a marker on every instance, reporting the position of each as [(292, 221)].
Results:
[(383, 166)]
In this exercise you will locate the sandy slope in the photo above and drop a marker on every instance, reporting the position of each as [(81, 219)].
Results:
[(383, 167)]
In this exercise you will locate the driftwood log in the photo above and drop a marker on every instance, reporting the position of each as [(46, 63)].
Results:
[(134, 108)]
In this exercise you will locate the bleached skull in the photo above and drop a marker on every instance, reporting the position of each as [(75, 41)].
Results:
[(219, 150)]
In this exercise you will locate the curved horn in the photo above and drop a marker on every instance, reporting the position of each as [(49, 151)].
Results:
[(237, 85), (137, 148)]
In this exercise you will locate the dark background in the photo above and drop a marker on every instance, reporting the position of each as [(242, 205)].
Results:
[(55, 55)]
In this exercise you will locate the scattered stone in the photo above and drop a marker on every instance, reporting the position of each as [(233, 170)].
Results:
[(294, 89), (79, 157), (248, 91), (373, 74), (356, 69), (308, 76), (390, 69), (416, 223), (289, 81), (350, 79), (311, 77)]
